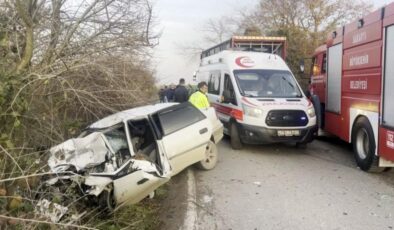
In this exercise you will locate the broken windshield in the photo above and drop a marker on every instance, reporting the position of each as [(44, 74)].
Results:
[(117, 139), (267, 83)]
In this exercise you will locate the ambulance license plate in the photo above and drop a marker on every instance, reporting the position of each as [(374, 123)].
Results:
[(288, 133)]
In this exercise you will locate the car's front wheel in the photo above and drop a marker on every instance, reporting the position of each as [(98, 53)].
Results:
[(211, 157), (107, 201)]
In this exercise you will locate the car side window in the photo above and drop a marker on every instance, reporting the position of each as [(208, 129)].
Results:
[(178, 117), (214, 82)]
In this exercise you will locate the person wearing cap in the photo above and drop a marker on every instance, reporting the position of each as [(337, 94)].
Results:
[(199, 99), (181, 94)]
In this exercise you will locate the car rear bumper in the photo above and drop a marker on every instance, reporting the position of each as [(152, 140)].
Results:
[(260, 135)]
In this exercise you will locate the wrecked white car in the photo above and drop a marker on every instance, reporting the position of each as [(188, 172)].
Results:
[(124, 157)]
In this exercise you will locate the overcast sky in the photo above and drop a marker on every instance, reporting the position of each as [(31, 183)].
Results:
[(181, 22)]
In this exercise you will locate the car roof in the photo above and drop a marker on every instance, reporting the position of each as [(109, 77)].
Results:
[(130, 114)]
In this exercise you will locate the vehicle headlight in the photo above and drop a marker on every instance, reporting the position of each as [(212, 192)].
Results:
[(252, 111), (311, 112)]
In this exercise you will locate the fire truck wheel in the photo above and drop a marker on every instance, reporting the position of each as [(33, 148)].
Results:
[(235, 140), (364, 146)]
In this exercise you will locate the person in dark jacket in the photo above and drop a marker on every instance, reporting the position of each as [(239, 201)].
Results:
[(162, 93), (181, 94), (170, 93)]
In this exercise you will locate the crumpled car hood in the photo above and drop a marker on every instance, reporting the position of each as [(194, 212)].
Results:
[(85, 152)]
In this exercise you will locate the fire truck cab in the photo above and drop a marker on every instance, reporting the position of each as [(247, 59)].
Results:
[(352, 85)]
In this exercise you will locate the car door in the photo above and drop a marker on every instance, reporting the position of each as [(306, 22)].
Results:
[(136, 178), (137, 185), (185, 134)]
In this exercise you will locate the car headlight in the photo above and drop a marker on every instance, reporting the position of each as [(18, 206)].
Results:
[(311, 112), (252, 111)]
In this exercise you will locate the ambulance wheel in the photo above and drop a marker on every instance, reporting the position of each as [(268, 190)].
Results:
[(301, 145), (235, 140), (364, 146)]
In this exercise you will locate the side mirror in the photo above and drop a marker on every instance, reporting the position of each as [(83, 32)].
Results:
[(302, 65)]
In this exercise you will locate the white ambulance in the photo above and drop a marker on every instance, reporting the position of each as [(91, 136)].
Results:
[(256, 96)]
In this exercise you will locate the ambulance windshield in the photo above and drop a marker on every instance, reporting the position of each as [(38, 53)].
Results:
[(267, 83)]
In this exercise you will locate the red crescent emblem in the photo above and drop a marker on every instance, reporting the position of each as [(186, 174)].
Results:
[(244, 61)]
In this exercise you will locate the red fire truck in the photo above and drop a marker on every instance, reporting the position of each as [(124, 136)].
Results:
[(352, 85)]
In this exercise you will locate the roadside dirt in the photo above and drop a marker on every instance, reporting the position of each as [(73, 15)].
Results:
[(173, 209)]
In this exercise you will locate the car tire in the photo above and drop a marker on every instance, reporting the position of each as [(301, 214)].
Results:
[(364, 146), (107, 201), (235, 140), (211, 157)]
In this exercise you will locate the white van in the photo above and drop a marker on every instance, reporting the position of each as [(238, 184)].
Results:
[(257, 98)]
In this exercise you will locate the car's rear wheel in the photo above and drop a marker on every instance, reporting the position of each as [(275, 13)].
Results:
[(211, 157), (235, 139)]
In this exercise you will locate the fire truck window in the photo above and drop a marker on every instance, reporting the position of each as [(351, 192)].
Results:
[(312, 65), (388, 105), (324, 64), (334, 76)]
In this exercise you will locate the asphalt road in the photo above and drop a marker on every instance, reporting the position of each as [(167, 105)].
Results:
[(282, 187)]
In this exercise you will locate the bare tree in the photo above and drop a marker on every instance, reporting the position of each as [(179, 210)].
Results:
[(219, 30), (315, 18), (64, 64), (62, 32), (46, 42)]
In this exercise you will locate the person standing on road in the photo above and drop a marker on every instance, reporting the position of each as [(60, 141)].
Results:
[(165, 99), (170, 93), (199, 99), (181, 94), (161, 94)]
